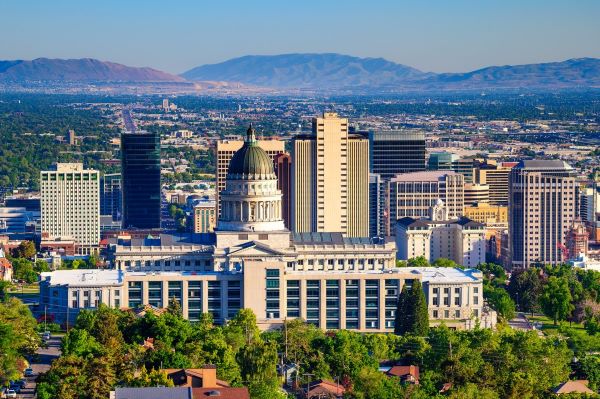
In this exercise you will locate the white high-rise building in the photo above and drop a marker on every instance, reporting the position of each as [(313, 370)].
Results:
[(70, 205)]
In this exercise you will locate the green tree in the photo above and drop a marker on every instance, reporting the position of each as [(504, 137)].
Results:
[(444, 262), (80, 343), (556, 299), (100, 378), (26, 250), (419, 261), (525, 288), (500, 301), (412, 315), (590, 365)]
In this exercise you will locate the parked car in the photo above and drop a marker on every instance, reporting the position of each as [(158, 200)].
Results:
[(22, 383), (28, 372), (46, 336), (10, 393), (15, 387)]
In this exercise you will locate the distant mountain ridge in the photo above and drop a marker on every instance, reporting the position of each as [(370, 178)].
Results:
[(306, 70), (336, 71), (79, 70), (328, 72)]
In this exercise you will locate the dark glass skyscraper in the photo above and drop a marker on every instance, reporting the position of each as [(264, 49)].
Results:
[(111, 196), (396, 151), (140, 163)]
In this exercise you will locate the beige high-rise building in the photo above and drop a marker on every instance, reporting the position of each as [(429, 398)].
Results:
[(204, 216), (476, 193), (224, 152), (542, 209), (413, 194), (330, 179), (496, 178), (70, 205)]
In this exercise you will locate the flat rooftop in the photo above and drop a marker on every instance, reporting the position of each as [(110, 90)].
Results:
[(446, 274), (84, 277)]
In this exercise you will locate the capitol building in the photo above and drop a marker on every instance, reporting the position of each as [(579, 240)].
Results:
[(253, 261)]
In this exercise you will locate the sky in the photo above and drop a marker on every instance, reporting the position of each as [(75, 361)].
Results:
[(177, 35)]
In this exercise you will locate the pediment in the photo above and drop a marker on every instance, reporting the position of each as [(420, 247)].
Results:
[(253, 248)]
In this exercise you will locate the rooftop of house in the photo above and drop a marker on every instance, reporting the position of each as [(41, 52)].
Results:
[(321, 387), (181, 393), (576, 386)]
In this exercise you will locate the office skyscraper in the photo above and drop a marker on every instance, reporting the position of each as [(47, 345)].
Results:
[(140, 165), (377, 206), (542, 209), (330, 179), (396, 151), (496, 177), (70, 206), (283, 170), (111, 195), (413, 194), (224, 152)]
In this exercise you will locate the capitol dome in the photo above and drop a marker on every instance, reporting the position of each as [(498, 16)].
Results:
[(251, 200), (251, 162)]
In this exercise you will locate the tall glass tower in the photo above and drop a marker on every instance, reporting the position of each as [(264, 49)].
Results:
[(140, 163), (396, 151)]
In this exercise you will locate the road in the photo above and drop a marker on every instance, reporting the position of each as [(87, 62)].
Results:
[(128, 120), (41, 365), (520, 322)]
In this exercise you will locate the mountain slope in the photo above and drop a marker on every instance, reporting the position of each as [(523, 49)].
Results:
[(306, 71), (579, 72), (335, 71), (79, 70)]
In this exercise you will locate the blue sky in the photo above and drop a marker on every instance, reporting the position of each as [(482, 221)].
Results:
[(176, 35)]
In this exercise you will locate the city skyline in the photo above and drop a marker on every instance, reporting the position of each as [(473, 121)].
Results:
[(457, 37)]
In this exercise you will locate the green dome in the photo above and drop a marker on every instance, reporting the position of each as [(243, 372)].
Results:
[(251, 161)]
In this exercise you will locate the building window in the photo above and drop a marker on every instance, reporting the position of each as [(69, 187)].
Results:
[(272, 294)]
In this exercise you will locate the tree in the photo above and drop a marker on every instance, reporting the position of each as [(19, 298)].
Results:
[(4, 287), (556, 299), (26, 250), (500, 301), (412, 315), (525, 288), (101, 377), (419, 261), (444, 262), (590, 365), (23, 270), (174, 307)]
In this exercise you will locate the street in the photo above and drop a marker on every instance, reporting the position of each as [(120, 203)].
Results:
[(41, 365)]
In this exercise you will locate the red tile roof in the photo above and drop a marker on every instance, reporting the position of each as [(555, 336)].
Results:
[(220, 393)]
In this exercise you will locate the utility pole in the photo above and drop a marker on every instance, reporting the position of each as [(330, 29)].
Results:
[(45, 324), (307, 382)]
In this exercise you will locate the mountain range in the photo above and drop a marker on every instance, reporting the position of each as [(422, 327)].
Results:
[(314, 72), (79, 70), (335, 71)]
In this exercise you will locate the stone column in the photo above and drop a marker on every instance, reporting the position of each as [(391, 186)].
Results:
[(342, 306), (184, 299)]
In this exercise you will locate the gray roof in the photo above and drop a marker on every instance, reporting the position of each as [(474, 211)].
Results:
[(166, 239), (543, 164), (153, 393), (316, 238)]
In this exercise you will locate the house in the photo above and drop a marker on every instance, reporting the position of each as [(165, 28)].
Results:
[(6, 270), (179, 393), (577, 386), (206, 377), (409, 374), (324, 389)]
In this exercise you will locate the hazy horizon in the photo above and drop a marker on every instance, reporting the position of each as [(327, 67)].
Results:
[(176, 36)]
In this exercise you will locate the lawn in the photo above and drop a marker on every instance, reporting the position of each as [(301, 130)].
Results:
[(25, 289), (578, 338)]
